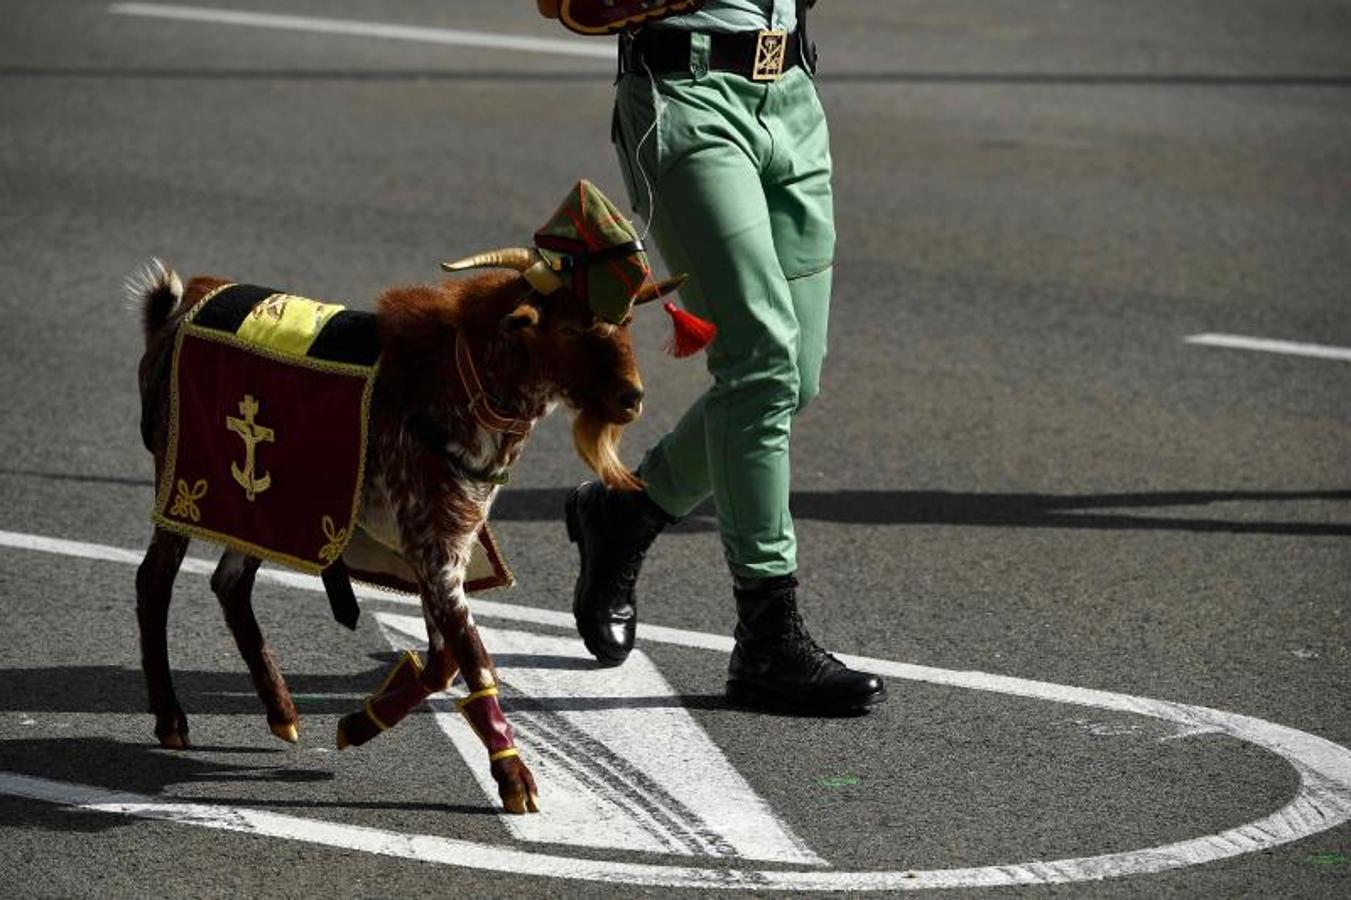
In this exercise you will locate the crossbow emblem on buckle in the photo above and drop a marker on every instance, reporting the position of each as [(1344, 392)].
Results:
[(770, 48)]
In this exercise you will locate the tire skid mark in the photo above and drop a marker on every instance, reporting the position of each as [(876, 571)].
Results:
[(613, 773)]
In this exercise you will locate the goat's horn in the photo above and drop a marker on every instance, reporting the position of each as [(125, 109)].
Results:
[(651, 291), (523, 259), (518, 258)]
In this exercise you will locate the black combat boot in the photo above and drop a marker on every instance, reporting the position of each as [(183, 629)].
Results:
[(776, 665), (612, 531)]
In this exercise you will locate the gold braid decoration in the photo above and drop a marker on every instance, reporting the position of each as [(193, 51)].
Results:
[(185, 503), (337, 537)]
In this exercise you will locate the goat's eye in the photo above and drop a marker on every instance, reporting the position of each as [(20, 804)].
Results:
[(569, 330)]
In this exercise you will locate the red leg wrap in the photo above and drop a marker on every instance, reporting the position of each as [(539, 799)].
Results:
[(401, 690), (485, 716)]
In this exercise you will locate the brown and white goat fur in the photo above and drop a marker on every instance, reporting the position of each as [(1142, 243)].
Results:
[(531, 351)]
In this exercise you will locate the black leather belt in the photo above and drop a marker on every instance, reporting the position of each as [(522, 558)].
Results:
[(757, 55)]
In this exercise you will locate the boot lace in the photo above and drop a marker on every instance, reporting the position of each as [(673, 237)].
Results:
[(803, 647), (629, 561)]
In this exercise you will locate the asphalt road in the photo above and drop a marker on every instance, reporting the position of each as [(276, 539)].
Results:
[(1017, 465)]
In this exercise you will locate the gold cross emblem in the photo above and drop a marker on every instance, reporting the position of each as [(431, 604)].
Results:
[(253, 434), (770, 47)]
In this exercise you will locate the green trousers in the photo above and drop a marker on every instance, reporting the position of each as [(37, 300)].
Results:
[(734, 178)]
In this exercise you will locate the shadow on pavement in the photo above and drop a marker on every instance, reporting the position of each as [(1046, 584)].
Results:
[(711, 702), (523, 704), (146, 770), (987, 510), (110, 689), (888, 507), (137, 768)]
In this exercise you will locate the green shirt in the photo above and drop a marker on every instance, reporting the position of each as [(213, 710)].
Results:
[(737, 15)]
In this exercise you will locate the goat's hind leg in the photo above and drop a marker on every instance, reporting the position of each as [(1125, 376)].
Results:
[(233, 585), (154, 591)]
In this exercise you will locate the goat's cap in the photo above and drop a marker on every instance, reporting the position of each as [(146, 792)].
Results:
[(588, 248), (596, 251)]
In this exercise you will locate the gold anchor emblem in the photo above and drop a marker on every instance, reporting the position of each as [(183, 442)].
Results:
[(253, 434)]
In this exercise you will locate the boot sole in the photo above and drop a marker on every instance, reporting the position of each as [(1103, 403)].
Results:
[(575, 536), (751, 697)]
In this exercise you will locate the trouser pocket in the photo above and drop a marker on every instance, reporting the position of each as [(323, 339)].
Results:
[(634, 185), (632, 132)]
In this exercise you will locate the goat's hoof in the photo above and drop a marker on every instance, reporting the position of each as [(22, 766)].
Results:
[(174, 740), (287, 732), (520, 802), (515, 785), (172, 731), (343, 742)]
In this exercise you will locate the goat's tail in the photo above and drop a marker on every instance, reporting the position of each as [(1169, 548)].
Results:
[(154, 289)]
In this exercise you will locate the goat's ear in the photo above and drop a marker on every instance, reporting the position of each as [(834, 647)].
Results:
[(520, 318)]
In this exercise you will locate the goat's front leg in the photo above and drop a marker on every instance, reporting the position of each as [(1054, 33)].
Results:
[(446, 608), (232, 583), (441, 665)]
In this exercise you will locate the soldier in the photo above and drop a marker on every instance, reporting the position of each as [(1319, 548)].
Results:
[(724, 149)]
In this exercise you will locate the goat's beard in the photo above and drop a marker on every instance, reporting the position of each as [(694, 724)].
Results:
[(597, 443)]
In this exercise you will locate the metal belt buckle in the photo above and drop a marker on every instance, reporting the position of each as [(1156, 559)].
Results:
[(770, 48)]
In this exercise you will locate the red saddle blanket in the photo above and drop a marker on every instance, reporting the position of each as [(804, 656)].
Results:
[(269, 413)]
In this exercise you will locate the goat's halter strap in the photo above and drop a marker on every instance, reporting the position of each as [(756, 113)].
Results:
[(479, 404), (575, 259)]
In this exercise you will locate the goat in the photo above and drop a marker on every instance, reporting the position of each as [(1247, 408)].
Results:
[(529, 350)]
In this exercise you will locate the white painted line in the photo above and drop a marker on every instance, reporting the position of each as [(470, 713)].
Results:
[(425, 848), (597, 49), (1322, 801), (1239, 342), (82, 550), (603, 766)]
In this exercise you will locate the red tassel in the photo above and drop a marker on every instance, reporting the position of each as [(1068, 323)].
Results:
[(691, 333)]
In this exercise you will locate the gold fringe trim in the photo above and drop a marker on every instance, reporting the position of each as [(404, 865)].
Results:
[(171, 452), (507, 578)]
